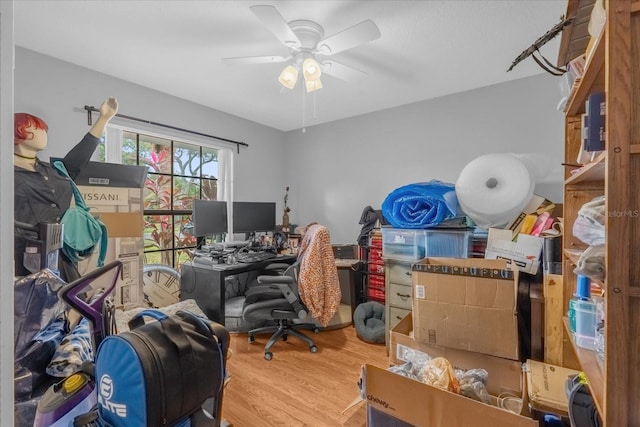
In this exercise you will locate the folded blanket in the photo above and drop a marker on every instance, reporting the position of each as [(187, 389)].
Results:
[(420, 205)]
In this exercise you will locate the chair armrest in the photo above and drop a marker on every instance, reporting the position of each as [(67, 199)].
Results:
[(287, 293), (268, 280)]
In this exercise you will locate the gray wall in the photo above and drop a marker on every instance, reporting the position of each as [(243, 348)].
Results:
[(334, 170), (57, 91), (337, 169)]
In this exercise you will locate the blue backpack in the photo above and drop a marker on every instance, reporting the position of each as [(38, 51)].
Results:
[(162, 372), (82, 231)]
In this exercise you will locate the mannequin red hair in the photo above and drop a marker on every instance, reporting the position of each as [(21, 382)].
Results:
[(23, 121)]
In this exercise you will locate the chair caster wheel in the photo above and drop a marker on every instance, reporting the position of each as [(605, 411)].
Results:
[(268, 355), (316, 330), (313, 349), (252, 339)]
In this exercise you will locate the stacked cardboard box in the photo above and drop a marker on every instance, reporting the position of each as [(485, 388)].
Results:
[(468, 304), (465, 311)]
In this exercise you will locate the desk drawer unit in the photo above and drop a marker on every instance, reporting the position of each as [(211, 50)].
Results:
[(399, 272), (399, 296), (398, 291)]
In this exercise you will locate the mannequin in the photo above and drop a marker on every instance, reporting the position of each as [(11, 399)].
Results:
[(42, 195)]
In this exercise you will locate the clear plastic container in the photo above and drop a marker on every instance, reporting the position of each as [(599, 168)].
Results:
[(448, 243), (417, 244), (403, 243), (585, 317)]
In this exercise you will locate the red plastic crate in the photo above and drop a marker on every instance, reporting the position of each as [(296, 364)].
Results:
[(377, 294), (375, 255), (375, 268), (376, 242), (376, 282)]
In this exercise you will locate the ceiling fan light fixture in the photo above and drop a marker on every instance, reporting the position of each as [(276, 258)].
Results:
[(288, 77), (312, 85), (311, 69)]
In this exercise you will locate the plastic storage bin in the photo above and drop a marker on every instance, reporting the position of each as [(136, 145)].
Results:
[(417, 244), (585, 318), (448, 243), (403, 243)]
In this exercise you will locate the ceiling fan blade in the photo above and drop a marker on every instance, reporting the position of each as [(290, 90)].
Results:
[(272, 19), (243, 60), (363, 32), (341, 71)]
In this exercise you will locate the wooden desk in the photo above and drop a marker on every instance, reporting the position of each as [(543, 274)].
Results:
[(352, 268)]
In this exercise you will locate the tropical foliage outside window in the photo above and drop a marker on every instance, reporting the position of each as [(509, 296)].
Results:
[(177, 173)]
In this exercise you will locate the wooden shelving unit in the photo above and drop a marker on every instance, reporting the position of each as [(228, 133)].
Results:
[(613, 68)]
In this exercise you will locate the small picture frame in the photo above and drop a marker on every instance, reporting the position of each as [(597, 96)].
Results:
[(292, 243)]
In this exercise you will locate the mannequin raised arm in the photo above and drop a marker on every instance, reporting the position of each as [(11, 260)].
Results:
[(108, 109)]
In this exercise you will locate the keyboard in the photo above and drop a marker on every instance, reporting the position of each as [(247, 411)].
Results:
[(249, 257)]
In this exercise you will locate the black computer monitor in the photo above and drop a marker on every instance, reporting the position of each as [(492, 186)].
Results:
[(209, 217), (249, 217)]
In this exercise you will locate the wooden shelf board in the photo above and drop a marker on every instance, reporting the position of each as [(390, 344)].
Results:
[(593, 171), (593, 77), (634, 148), (635, 6), (589, 365)]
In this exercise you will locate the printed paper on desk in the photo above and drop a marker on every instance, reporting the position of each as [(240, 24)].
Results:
[(524, 252)]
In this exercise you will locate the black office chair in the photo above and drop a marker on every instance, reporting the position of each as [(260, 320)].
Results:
[(277, 299)]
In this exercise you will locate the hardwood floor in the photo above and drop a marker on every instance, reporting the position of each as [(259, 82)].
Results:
[(297, 387)]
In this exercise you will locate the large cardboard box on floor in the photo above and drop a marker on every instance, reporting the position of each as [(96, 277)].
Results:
[(468, 304), (504, 374), (399, 401), (396, 400)]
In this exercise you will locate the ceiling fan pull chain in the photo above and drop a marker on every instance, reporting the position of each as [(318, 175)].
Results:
[(304, 107), (315, 116)]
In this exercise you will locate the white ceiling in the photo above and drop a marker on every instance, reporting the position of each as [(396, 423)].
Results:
[(427, 49)]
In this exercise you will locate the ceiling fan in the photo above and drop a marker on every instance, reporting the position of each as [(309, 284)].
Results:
[(308, 49)]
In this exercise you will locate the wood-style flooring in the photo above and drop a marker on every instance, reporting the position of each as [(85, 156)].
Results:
[(297, 387)]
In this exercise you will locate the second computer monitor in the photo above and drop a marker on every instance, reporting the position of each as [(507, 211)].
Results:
[(249, 217)]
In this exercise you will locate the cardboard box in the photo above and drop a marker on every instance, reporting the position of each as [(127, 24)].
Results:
[(115, 192), (394, 398), (546, 387), (504, 374), (524, 252), (468, 304)]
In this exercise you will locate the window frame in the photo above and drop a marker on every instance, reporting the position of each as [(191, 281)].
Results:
[(113, 144)]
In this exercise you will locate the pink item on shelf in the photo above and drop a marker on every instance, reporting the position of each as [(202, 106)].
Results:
[(542, 223)]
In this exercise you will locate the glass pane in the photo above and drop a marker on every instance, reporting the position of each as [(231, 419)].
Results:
[(129, 147), (155, 153), (157, 192), (159, 257), (158, 232), (209, 162), (184, 191), (99, 155), (182, 256), (186, 159), (210, 189), (182, 237)]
